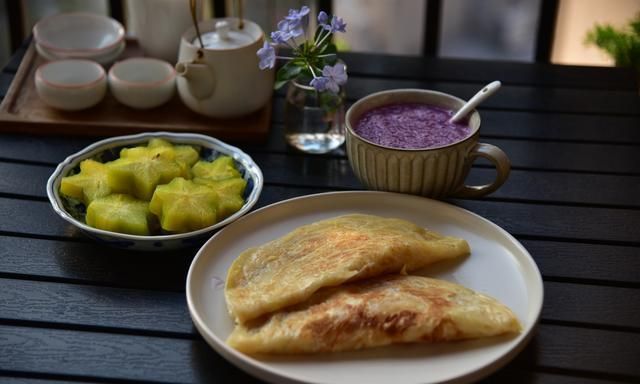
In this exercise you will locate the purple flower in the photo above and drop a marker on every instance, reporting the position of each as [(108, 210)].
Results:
[(336, 76), (289, 29), (280, 37), (323, 18), (267, 56), (295, 21), (319, 83), (297, 15), (337, 25)]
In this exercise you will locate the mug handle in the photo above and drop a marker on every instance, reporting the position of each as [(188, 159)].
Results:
[(499, 159)]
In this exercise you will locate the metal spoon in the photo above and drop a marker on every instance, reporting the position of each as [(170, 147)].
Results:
[(478, 98)]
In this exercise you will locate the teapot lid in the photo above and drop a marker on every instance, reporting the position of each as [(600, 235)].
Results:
[(223, 37)]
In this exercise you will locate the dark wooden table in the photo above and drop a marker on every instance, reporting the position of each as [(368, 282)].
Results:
[(73, 311)]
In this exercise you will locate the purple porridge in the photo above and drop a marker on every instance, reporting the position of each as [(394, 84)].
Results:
[(410, 126)]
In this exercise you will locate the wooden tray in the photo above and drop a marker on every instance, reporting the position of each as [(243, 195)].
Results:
[(23, 111)]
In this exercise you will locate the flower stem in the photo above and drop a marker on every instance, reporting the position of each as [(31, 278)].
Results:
[(324, 38), (319, 36), (312, 72)]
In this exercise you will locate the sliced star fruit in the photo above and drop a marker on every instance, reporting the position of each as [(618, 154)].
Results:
[(87, 185), (184, 206), (120, 213), (185, 155), (229, 193), (221, 168), (141, 169)]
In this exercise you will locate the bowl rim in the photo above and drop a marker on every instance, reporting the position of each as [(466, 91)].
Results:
[(53, 183), (104, 59), (41, 40), (88, 84), (351, 132), (147, 61)]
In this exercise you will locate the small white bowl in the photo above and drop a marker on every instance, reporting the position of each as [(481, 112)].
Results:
[(78, 33), (108, 149), (71, 84), (142, 82), (105, 59)]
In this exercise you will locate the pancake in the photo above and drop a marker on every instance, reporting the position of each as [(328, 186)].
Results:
[(288, 270), (376, 312)]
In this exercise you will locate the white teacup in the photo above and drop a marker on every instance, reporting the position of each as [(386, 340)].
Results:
[(223, 79)]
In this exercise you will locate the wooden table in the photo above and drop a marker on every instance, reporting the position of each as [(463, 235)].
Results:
[(71, 310)]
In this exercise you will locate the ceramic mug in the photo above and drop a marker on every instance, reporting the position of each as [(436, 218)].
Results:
[(223, 80), (437, 172)]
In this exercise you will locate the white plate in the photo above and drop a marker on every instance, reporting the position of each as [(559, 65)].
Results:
[(499, 266)]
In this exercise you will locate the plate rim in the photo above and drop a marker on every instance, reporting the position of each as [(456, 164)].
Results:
[(266, 372)]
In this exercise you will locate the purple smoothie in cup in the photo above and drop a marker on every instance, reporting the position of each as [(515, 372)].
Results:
[(410, 126)]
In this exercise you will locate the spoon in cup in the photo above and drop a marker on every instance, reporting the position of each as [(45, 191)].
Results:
[(478, 98)]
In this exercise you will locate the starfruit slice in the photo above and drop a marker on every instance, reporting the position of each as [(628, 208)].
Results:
[(139, 170), (184, 206), (221, 168), (229, 193), (119, 213), (185, 155), (89, 184)]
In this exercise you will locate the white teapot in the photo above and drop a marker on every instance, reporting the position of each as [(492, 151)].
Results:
[(223, 79)]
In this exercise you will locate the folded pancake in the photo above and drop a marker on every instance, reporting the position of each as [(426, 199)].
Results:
[(380, 311), (290, 269)]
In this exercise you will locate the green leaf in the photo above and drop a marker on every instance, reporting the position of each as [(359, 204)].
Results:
[(623, 45), (286, 73)]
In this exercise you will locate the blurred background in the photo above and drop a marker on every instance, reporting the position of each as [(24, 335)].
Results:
[(514, 30)]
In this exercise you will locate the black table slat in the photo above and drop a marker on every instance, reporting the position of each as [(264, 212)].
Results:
[(92, 355), (562, 187), (575, 261), (538, 126), (584, 157), (597, 351), (5, 80), (149, 311), (25, 180), (508, 375), (560, 222), (83, 262), (36, 218), (116, 356), (591, 304), (515, 97), (104, 307), (558, 126), (40, 149), (29, 380), (556, 187), (16, 58), (479, 70), (539, 155)]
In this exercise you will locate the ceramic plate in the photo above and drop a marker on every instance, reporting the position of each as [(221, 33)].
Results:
[(498, 265)]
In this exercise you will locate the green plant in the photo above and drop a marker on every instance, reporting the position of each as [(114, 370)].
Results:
[(623, 45)]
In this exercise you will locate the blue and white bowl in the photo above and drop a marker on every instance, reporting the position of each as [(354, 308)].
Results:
[(109, 149)]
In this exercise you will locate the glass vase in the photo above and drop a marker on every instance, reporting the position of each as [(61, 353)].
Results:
[(314, 121)]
